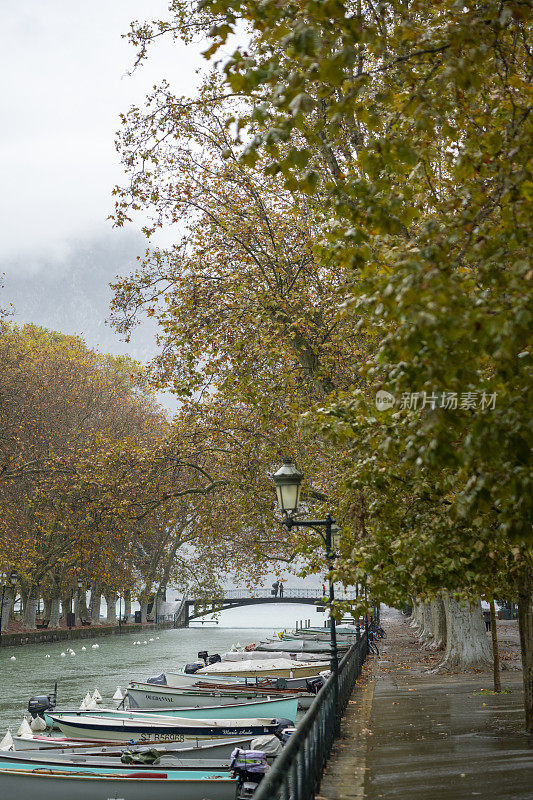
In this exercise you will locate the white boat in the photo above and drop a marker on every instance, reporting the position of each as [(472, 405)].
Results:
[(184, 680), (276, 667), (201, 748), (66, 782), (145, 728), (265, 709), (147, 695)]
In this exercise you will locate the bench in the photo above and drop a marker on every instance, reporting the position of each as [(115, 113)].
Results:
[(44, 624)]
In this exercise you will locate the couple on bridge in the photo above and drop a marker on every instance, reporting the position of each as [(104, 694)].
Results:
[(277, 586)]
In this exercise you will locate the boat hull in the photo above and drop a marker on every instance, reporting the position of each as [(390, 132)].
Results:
[(165, 729), (206, 748), (180, 680), (143, 696), (284, 708), (17, 782)]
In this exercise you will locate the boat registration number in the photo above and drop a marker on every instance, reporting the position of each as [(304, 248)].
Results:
[(161, 737)]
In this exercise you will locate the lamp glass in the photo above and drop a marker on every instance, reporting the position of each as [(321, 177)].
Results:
[(80, 583), (13, 578), (335, 537), (287, 481)]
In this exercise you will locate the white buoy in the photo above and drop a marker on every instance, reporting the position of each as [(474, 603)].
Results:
[(118, 694), (97, 697), (91, 705), (87, 699), (7, 741), (145, 642), (150, 640), (38, 725), (95, 646), (83, 705), (63, 655), (47, 655), (13, 658), (72, 653), (157, 638), (24, 729), (84, 648)]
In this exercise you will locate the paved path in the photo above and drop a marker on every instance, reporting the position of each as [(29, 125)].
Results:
[(410, 735)]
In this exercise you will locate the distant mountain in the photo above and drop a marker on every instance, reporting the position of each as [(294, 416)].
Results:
[(71, 294)]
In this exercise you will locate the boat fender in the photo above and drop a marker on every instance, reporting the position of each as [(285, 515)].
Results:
[(38, 724), (7, 742), (25, 730)]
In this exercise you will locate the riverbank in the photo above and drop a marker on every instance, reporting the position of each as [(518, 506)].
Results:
[(414, 735), (42, 636)]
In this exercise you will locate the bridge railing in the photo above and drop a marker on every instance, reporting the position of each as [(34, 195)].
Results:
[(297, 771), (261, 594)]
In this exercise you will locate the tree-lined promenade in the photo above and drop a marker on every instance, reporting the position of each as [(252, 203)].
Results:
[(352, 288)]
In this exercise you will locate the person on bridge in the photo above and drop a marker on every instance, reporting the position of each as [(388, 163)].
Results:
[(275, 586), (280, 589)]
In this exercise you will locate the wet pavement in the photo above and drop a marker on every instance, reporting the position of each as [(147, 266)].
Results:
[(412, 735)]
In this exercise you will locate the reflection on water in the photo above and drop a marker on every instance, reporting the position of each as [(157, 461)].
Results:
[(115, 661)]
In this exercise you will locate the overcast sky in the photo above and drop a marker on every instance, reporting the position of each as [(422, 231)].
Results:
[(65, 82)]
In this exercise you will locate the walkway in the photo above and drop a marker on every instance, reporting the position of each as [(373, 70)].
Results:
[(410, 735)]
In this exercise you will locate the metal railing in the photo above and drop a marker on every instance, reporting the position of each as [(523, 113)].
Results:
[(240, 594), (297, 771)]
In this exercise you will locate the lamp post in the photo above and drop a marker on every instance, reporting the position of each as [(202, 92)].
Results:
[(120, 612), (13, 581), (288, 480)]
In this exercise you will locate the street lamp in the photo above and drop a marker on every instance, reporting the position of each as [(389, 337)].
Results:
[(13, 581), (120, 612), (288, 480)]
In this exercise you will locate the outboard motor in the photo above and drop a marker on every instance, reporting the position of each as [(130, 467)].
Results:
[(190, 669), (314, 685), (286, 734), (41, 703), (159, 680), (249, 766), (214, 659), (203, 656), (281, 724)]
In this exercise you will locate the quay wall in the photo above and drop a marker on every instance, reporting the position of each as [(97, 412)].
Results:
[(88, 632)]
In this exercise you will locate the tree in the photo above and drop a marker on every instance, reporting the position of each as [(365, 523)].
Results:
[(413, 119)]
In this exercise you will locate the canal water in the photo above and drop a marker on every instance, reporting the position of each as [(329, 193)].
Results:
[(117, 658)]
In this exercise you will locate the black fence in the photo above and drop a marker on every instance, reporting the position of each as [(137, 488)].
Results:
[(297, 771)]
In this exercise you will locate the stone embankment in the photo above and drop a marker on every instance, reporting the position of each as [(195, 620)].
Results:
[(22, 637)]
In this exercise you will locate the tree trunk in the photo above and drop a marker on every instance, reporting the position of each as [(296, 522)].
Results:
[(30, 608), (127, 604), (111, 603), (81, 605), (54, 613), (495, 653), (96, 601), (525, 625), (415, 619), (9, 599), (438, 624), (467, 646), (46, 607), (66, 604), (425, 633), (144, 610)]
